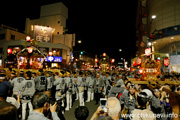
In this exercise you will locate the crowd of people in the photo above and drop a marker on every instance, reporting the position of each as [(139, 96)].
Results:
[(48, 95)]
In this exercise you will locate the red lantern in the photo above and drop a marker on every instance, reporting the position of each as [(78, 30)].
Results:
[(104, 54), (28, 38), (166, 62), (96, 60), (50, 53), (30, 49), (134, 63), (138, 61), (9, 50), (140, 71), (112, 61)]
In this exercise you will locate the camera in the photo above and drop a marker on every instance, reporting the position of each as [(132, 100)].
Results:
[(103, 103)]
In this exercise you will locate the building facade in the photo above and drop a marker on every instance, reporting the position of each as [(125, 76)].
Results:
[(60, 44), (159, 28)]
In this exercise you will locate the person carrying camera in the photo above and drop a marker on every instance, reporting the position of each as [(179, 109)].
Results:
[(41, 106)]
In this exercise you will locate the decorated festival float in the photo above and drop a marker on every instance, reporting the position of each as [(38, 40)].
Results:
[(106, 63), (150, 70), (32, 58)]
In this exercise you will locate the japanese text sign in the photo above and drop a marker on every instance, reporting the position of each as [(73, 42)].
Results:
[(42, 34)]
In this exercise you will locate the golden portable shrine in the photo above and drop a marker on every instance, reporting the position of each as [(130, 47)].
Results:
[(30, 58), (150, 69)]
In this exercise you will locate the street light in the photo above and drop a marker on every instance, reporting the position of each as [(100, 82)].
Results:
[(79, 41), (153, 16), (149, 44)]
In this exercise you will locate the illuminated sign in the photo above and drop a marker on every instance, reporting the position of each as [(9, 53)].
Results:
[(54, 59), (42, 33)]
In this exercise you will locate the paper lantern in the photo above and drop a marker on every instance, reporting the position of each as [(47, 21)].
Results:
[(28, 38), (96, 60), (30, 49), (9, 50), (50, 53), (148, 51), (138, 61), (134, 63)]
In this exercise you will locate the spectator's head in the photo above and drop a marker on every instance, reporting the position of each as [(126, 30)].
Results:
[(47, 75), (33, 74), (41, 71), (120, 76), (178, 90), (167, 86), (41, 101), (113, 106), (8, 112), (80, 73), (132, 89), (81, 113), (107, 74), (10, 69), (98, 75), (127, 84), (13, 75), (2, 77), (21, 73), (156, 92), (28, 75), (142, 99)]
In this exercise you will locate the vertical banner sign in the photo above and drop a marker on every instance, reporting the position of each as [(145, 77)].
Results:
[(42, 33)]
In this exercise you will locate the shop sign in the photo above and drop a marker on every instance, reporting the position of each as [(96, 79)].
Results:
[(54, 59), (42, 33)]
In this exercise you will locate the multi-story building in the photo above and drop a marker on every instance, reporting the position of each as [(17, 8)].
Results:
[(159, 28), (49, 32)]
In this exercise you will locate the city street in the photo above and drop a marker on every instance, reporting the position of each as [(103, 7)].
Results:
[(128, 59)]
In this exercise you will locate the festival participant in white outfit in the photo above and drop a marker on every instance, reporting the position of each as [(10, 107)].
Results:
[(16, 82), (81, 85), (75, 86), (60, 89), (27, 89), (91, 86), (69, 85)]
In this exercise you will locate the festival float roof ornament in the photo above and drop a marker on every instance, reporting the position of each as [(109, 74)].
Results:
[(30, 50)]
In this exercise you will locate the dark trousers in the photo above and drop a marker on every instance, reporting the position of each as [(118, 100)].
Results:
[(97, 97)]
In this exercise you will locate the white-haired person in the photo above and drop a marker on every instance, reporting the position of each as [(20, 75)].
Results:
[(113, 109)]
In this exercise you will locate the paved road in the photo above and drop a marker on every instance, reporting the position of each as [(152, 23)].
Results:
[(69, 115)]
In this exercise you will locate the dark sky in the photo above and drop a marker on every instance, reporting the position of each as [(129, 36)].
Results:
[(103, 26)]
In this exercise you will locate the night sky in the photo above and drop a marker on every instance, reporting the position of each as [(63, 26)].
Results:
[(103, 26)]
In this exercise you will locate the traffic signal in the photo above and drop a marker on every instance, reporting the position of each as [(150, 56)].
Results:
[(81, 52)]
